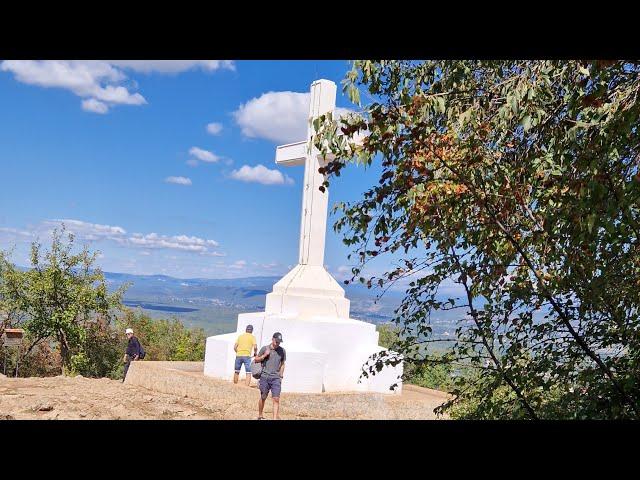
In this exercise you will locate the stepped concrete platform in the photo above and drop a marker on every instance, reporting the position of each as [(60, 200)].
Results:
[(186, 379)]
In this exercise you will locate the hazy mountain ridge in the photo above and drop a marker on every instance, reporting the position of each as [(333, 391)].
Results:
[(214, 303)]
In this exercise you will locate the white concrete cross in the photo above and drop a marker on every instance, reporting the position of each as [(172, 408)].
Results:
[(314, 202)]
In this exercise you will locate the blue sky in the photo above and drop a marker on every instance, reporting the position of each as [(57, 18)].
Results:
[(155, 164)]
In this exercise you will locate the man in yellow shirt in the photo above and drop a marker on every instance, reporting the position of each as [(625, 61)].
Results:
[(243, 347)]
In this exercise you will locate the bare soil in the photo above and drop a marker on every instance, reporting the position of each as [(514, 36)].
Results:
[(78, 398)]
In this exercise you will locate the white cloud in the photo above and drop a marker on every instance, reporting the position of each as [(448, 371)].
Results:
[(90, 231), (214, 254), (15, 231), (204, 155), (278, 116), (239, 264), (95, 80), (78, 76), (120, 248), (119, 95), (178, 180), (261, 174), (176, 242), (96, 106), (100, 83), (95, 232), (214, 128), (174, 66)]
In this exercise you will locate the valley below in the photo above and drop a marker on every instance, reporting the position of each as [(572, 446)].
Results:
[(214, 304)]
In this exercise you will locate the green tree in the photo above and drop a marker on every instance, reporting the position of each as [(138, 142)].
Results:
[(64, 298), (73, 324), (429, 371), (518, 181), (164, 340), (101, 354), (11, 289), (388, 335)]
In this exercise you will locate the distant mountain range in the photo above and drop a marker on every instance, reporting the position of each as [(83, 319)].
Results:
[(247, 291), (214, 304), (161, 288)]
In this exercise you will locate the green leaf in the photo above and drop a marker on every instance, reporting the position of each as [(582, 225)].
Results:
[(567, 199), (463, 118), (591, 219), (354, 94)]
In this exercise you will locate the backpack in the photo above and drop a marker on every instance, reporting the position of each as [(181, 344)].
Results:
[(142, 353), (256, 369)]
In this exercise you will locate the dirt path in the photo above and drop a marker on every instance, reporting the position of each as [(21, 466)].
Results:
[(88, 398)]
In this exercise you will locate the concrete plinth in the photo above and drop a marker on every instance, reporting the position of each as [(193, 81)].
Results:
[(324, 354)]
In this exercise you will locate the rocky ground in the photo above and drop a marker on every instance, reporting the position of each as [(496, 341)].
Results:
[(88, 398)]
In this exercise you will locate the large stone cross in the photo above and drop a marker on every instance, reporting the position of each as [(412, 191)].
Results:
[(314, 202)]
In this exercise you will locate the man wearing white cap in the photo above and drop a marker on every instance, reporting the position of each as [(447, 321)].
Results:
[(134, 351)]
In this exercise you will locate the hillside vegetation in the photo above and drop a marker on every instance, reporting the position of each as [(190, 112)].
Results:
[(515, 185), (72, 324)]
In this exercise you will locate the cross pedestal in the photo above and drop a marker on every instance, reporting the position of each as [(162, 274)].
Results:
[(326, 349)]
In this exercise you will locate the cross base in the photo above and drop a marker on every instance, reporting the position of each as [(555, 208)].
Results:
[(306, 291), (324, 354)]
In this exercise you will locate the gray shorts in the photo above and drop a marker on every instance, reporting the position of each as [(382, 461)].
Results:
[(270, 383)]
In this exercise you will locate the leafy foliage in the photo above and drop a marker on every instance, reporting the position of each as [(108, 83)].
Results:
[(164, 340), (73, 324), (388, 335), (101, 354), (11, 286), (62, 297), (42, 361), (436, 373), (518, 181)]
